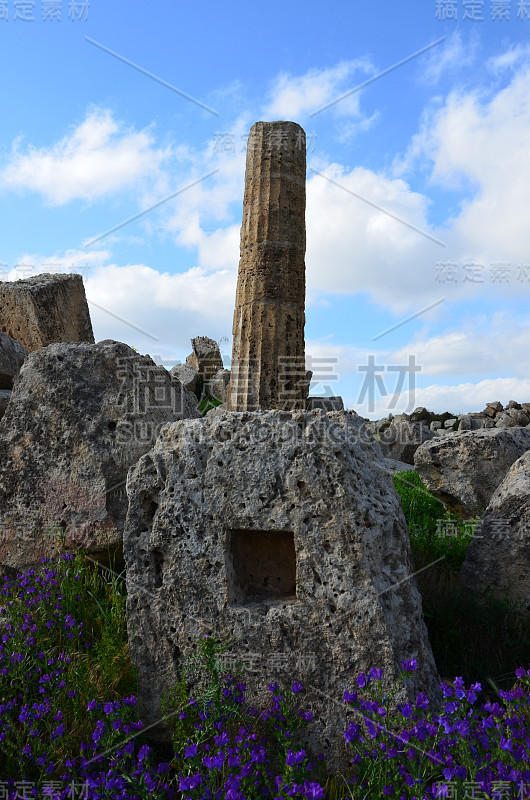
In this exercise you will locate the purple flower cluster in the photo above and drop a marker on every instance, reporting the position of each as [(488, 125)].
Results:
[(223, 748), (429, 753)]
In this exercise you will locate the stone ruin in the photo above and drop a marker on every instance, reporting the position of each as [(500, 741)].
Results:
[(268, 355), (281, 531), (45, 309), (276, 527)]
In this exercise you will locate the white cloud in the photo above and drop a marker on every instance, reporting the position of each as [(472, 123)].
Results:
[(484, 345), (295, 96), (451, 55), (517, 54), (171, 308), (97, 158), (482, 142), (353, 246)]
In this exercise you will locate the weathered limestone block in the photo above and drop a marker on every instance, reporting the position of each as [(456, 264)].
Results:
[(12, 356), (188, 376), (512, 418), (465, 470), (206, 357), (268, 356), (45, 309), (492, 408), (469, 423), (325, 403), (80, 415), (283, 531), (218, 386), (499, 554), (401, 440)]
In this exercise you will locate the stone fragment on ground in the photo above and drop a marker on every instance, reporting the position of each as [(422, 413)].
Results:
[(401, 440), (464, 471), (188, 376), (498, 557), (335, 403), (218, 385)]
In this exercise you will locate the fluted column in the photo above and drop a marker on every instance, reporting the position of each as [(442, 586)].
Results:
[(268, 356)]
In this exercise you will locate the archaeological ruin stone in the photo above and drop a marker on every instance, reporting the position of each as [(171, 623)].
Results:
[(206, 357), (268, 355), (401, 440), (12, 356), (464, 471), (281, 531), (325, 403), (218, 386), (188, 376), (45, 309), (79, 416), (498, 557)]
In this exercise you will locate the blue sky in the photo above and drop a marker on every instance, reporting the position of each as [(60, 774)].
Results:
[(418, 183)]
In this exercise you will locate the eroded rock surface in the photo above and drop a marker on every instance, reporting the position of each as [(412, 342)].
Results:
[(282, 531), (401, 440), (12, 356), (465, 470), (206, 357), (498, 556), (45, 309), (79, 416)]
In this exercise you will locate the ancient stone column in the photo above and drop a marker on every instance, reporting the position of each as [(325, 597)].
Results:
[(268, 356)]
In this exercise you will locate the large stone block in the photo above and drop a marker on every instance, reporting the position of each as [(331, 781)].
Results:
[(401, 440), (206, 357), (498, 557), (79, 416), (45, 309), (465, 470), (283, 532)]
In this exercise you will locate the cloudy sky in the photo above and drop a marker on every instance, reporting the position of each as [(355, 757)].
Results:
[(122, 156)]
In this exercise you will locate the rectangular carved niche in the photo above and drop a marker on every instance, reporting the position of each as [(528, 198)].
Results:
[(264, 565)]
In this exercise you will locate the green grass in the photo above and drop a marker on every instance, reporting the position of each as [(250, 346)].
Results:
[(480, 638)]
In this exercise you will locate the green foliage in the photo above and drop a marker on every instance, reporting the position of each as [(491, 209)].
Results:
[(434, 532), (207, 403), (480, 638)]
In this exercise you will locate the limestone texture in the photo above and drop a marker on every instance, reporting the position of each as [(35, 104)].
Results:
[(12, 356), (282, 532), (79, 416), (401, 440), (45, 309), (218, 386), (325, 403), (5, 397), (464, 471), (498, 557), (268, 356), (186, 375), (206, 357)]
